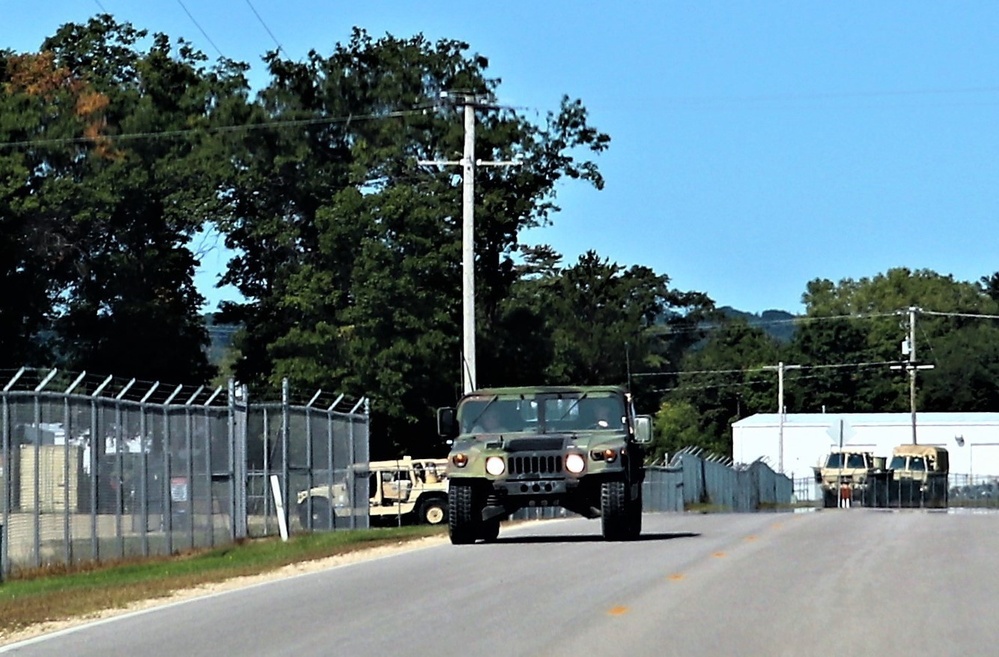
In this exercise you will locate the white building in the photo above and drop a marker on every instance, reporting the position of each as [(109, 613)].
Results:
[(803, 439)]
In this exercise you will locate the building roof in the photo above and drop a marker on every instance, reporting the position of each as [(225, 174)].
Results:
[(858, 419)]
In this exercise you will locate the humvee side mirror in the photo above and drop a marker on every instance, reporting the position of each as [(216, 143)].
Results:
[(447, 423), (643, 428)]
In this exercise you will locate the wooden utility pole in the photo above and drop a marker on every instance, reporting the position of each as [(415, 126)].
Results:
[(468, 163)]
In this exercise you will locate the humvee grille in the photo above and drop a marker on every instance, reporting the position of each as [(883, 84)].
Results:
[(528, 465)]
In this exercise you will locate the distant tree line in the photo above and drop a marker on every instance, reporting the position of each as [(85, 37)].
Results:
[(118, 147)]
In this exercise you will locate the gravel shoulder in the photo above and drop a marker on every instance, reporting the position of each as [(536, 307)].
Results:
[(226, 585)]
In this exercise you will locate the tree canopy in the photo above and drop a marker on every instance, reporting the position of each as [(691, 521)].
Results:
[(118, 147)]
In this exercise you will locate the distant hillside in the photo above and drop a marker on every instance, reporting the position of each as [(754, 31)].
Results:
[(778, 324)]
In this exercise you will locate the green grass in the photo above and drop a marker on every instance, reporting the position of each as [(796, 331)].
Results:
[(59, 593)]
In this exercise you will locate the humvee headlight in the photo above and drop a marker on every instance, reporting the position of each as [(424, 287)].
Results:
[(495, 465), (575, 463), (609, 455), (459, 460)]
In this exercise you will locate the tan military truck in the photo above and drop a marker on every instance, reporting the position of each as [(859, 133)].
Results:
[(407, 489), (848, 476), (918, 476)]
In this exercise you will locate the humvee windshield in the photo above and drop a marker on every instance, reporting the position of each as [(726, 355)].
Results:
[(856, 461), (916, 463), (836, 460), (542, 413)]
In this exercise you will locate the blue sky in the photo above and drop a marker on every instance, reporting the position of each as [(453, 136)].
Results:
[(756, 145)]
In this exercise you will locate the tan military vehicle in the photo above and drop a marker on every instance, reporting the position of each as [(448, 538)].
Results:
[(849, 477), (406, 489), (918, 476)]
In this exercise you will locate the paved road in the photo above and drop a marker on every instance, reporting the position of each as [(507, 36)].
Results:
[(853, 581)]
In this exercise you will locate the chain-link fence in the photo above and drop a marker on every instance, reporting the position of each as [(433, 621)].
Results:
[(98, 469), (695, 478), (307, 449), (956, 490)]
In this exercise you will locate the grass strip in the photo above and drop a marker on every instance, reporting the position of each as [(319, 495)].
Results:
[(60, 593)]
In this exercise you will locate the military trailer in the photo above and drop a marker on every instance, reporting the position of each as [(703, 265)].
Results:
[(918, 476), (852, 476), (409, 489), (579, 448)]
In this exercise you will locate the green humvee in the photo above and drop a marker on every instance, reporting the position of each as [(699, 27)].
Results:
[(579, 448)]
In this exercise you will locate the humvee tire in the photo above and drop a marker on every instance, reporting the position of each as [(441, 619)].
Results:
[(322, 513), (616, 515), (463, 518), (433, 511)]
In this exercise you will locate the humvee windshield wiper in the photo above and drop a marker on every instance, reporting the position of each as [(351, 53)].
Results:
[(488, 404), (574, 405)]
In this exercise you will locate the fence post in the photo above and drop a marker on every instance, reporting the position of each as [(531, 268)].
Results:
[(355, 504), (210, 438), (119, 459), (5, 495), (308, 459), (267, 469), (237, 426), (67, 428), (285, 428), (167, 470), (144, 446), (189, 469)]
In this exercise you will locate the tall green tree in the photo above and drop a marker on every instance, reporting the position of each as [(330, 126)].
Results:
[(38, 99), (349, 247), (604, 317), (866, 321), (846, 365), (117, 170), (676, 425), (134, 309), (725, 379)]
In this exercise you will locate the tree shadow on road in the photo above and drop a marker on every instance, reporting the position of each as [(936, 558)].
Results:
[(593, 538)]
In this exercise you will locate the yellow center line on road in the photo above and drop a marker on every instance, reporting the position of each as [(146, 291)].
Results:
[(676, 577), (618, 611), (751, 538), (719, 555)]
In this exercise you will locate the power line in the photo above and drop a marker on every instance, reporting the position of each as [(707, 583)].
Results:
[(737, 384), (752, 370), (966, 315), (795, 376), (212, 130), (804, 319), (260, 18), (197, 25)]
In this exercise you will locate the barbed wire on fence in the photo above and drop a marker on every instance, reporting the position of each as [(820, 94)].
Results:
[(132, 390)]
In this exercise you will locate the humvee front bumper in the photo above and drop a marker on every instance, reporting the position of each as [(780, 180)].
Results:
[(538, 487)]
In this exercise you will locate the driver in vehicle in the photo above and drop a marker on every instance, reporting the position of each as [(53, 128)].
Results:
[(489, 422), (605, 414)]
